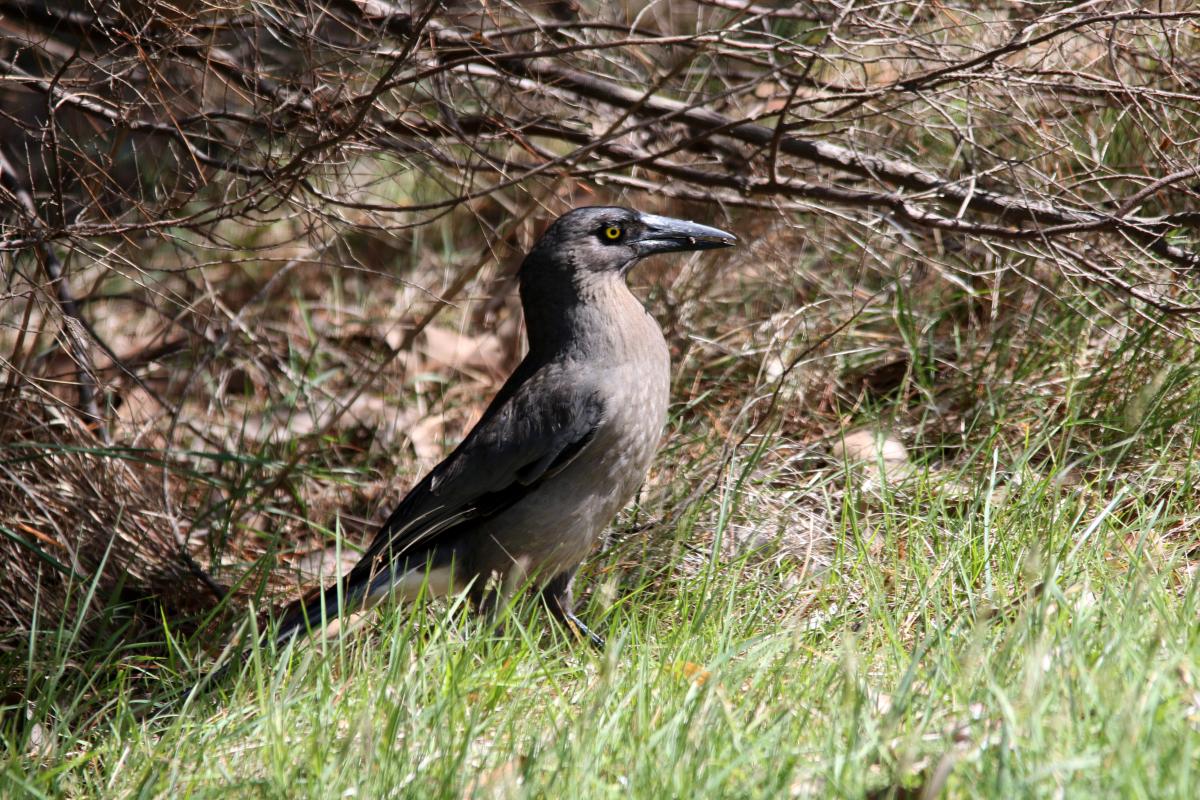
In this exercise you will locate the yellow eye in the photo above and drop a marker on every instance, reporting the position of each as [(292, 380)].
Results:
[(612, 232)]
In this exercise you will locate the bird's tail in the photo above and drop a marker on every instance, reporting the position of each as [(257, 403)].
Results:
[(308, 613), (429, 570), (357, 588), (315, 612)]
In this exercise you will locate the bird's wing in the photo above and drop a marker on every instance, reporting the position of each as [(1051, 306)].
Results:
[(536, 426)]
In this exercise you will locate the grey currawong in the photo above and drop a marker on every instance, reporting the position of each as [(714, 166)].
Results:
[(558, 452)]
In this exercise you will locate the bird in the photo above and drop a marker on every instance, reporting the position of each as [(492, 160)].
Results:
[(562, 447)]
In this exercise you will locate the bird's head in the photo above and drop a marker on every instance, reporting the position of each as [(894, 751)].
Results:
[(608, 240)]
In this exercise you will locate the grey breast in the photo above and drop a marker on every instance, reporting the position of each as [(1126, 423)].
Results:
[(554, 529)]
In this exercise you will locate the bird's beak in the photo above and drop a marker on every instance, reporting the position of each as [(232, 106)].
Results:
[(667, 235)]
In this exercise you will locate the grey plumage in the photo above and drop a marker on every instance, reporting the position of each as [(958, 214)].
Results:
[(560, 449)]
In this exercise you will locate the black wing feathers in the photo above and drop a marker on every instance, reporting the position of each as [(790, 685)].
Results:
[(534, 428), (529, 433)]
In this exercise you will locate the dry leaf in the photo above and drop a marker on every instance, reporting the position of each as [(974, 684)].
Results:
[(693, 672), (503, 781), (871, 445), (327, 562), (426, 437), (484, 353)]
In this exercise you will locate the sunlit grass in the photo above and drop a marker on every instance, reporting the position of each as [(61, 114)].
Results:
[(1026, 644)]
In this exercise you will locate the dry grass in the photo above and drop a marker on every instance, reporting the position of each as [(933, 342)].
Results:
[(85, 527)]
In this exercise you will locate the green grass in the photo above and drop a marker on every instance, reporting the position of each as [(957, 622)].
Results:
[(1039, 644), (1016, 618)]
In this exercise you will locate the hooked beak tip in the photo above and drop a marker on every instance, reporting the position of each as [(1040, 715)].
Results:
[(669, 235)]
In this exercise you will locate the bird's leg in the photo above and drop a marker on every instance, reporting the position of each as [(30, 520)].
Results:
[(561, 603), (487, 599)]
